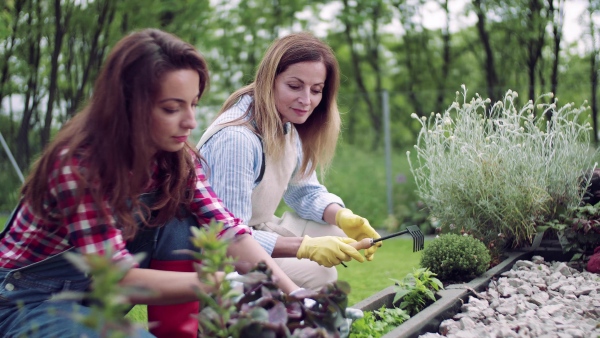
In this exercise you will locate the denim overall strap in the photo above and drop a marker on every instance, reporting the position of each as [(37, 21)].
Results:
[(52, 270), (163, 242), (13, 214)]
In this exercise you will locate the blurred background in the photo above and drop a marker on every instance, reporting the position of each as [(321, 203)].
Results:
[(397, 58)]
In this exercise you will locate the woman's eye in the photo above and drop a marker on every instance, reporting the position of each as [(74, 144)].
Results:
[(170, 110), (317, 91), (294, 87)]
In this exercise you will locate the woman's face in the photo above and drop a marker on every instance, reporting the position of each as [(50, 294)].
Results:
[(173, 115), (298, 90)]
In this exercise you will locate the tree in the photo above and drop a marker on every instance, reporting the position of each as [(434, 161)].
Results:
[(594, 65), (362, 23), (557, 12), (490, 67)]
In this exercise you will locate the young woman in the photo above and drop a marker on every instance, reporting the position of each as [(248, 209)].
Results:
[(120, 177), (265, 145)]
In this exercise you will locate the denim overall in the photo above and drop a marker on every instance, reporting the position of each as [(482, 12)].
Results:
[(25, 306)]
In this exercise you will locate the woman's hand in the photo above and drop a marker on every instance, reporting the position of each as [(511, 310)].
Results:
[(328, 250), (358, 228)]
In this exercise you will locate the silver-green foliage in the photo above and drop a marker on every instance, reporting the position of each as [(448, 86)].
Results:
[(498, 170), (456, 257)]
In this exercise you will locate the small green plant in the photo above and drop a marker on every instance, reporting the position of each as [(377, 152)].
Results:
[(109, 302), (414, 292), (579, 232), (417, 290), (218, 308), (376, 323), (456, 257), (499, 169)]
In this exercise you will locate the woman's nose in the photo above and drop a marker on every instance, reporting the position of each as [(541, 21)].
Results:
[(189, 120), (304, 97)]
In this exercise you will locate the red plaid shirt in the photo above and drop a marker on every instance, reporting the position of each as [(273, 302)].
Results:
[(30, 239)]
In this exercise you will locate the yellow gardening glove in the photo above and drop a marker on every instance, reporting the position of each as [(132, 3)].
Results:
[(328, 250), (358, 228)]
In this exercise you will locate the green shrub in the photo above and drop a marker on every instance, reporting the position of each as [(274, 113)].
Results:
[(499, 171), (456, 257)]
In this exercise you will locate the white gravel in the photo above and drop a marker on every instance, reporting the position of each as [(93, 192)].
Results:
[(534, 299)]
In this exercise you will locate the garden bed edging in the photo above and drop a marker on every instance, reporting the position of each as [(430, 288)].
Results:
[(450, 300)]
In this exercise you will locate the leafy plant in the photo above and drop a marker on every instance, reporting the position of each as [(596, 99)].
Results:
[(416, 290), (377, 323), (579, 230), (260, 309), (456, 257), (501, 169), (109, 302), (216, 319)]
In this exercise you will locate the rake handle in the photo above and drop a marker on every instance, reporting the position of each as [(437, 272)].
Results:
[(366, 243), (390, 236)]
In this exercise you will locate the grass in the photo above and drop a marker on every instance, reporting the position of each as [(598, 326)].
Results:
[(138, 314), (393, 260)]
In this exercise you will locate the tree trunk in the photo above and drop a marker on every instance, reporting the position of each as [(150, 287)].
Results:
[(375, 62), (356, 64), (23, 153), (490, 68), (9, 46), (557, 27), (594, 70), (536, 33), (60, 31), (96, 53), (445, 60)]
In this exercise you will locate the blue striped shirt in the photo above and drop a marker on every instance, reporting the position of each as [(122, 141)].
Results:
[(234, 156)]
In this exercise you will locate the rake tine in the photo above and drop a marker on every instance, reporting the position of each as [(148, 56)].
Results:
[(414, 231), (415, 237), (418, 237)]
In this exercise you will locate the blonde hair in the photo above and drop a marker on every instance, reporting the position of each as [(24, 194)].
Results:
[(319, 134)]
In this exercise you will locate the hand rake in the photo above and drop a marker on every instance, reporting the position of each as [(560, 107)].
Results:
[(413, 230)]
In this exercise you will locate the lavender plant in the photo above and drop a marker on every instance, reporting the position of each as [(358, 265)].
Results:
[(497, 171)]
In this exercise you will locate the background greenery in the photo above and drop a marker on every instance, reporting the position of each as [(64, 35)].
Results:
[(51, 51)]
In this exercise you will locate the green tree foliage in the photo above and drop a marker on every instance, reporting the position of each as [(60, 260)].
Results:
[(51, 52)]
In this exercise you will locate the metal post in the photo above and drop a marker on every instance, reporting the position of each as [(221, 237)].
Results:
[(388, 149), (11, 158)]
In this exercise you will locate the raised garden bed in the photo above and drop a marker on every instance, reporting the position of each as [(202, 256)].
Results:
[(450, 300)]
